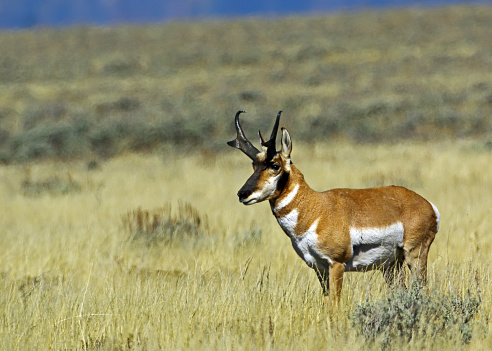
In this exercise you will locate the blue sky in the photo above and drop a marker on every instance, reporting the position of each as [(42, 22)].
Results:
[(60, 13)]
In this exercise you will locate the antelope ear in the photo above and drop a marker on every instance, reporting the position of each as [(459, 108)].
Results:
[(286, 144)]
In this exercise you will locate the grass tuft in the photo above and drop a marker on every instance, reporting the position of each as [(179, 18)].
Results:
[(162, 226), (248, 237), (52, 185)]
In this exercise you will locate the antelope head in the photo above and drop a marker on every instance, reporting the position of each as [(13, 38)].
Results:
[(271, 168)]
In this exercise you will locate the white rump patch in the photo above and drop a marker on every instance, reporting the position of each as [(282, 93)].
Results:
[(306, 244), (287, 200), (375, 246), (438, 215)]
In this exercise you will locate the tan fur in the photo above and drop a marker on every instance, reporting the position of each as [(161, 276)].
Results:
[(336, 211), (340, 209)]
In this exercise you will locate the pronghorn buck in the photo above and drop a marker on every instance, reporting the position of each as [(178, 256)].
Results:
[(339, 230)]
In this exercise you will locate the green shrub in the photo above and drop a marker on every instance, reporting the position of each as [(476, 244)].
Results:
[(49, 112), (123, 104), (104, 139), (63, 140), (4, 137), (178, 85), (248, 237), (52, 185), (407, 314), (123, 67)]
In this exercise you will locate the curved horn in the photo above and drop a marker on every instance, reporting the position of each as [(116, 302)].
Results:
[(273, 136), (241, 142), (271, 143)]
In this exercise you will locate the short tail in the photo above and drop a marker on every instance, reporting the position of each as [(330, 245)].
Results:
[(438, 215)]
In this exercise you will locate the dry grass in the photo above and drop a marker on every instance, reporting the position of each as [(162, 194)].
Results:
[(71, 279)]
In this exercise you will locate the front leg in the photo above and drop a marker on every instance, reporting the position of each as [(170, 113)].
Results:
[(324, 280), (334, 278)]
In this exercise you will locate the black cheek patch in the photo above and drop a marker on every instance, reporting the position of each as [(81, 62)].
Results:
[(282, 181)]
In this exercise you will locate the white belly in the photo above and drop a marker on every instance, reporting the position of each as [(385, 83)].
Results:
[(373, 247)]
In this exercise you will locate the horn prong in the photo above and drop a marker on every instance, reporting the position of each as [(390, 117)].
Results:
[(241, 142), (262, 140)]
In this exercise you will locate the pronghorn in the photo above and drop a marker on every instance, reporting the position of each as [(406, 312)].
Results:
[(339, 230)]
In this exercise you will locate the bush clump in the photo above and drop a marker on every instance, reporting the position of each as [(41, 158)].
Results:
[(64, 140), (248, 237), (52, 185), (164, 226), (407, 314)]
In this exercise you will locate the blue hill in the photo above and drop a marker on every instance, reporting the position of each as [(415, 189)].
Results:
[(59, 13)]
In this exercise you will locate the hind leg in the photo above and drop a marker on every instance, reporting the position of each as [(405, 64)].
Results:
[(416, 258), (336, 280), (419, 233)]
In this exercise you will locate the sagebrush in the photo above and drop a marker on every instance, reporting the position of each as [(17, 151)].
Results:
[(162, 225), (417, 313)]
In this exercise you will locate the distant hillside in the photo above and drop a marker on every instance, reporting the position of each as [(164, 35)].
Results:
[(36, 13), (369, 77)]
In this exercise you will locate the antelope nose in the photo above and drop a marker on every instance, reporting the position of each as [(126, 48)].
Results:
[(243, 194)]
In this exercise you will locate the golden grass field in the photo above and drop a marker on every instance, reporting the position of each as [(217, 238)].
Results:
[(101, 126), (71, 278)]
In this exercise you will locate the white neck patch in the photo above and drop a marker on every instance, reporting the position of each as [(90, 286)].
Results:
[(305, 244), (289, 222), (287, 200)]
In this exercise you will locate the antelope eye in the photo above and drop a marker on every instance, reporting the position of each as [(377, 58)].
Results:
[(275, 167)]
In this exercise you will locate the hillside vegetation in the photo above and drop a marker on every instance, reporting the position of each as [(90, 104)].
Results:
[(368, 77)]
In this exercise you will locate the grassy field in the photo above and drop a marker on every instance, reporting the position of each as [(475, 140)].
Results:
[(120, 225), (73, 278)]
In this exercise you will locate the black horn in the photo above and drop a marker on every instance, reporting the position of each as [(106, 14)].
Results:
[(241, 142), (271, 143)]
